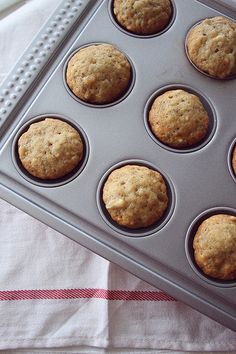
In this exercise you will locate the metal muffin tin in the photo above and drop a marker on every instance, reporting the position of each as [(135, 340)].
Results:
[(200, 180)]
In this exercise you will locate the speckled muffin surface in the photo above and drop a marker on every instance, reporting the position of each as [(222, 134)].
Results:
[(178, 119), (50, 149), (234, 160), (143, 17), (211, 46), (98, 74), (215, 246), (135, 196)]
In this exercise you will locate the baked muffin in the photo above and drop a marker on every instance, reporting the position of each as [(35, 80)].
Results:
[(50, 149), (135, 196), (211, 46), (234, 160), (215, 246), (98, 74), (178, 119), (143, 17)]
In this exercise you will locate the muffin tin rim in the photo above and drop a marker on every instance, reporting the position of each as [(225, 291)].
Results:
[(53, 182), (192, 228), (139, 232)]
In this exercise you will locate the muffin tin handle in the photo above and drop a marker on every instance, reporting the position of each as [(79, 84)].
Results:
[(230, 5), (42, 48)]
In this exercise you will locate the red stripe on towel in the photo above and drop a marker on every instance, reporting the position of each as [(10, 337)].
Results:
[(52, 294)]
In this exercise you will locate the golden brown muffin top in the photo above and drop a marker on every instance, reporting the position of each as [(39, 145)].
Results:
[(234, 160), (211, 46), (215, 246), (50, 148), (178, 119), (143, 17), (98, 74), (135, 196)]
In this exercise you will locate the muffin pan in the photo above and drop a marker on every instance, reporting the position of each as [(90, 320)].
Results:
[(200, 180)]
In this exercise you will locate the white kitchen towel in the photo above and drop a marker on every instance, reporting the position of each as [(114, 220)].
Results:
[(6, 4), (57, 295)]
